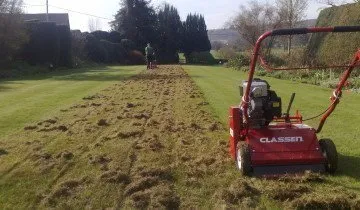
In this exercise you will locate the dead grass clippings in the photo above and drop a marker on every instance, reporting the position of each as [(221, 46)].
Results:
[(240, 191), (30, 127), (204, 103), (66, 155), (162, 172), (141, 116), (141, 184), (195, 126), (321, 201), (99, 159), (115, 177), (287, 192), (51, 121), (134, 132), (62, 128), (102, 122), (92, 97), (95, 104), (3, 152), (63, 190), (130, 105), (213, 127), (163, 197), (140, 200)]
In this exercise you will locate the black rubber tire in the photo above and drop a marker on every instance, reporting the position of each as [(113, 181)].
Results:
[(329, 151), (244, 165)]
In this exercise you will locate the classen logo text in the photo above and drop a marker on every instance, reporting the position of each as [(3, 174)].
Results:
[(290, 139)]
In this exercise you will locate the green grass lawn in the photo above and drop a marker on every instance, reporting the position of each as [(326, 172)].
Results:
[(221, 88), (29, 99)]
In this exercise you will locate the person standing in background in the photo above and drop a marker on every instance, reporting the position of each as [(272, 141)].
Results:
[(149, 51)]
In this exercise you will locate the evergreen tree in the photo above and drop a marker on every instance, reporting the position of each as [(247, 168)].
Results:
[(136, 20), (195, 37), (12, 31), (169, 32)]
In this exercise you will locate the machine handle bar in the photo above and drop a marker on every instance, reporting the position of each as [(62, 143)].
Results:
[(296, 31)]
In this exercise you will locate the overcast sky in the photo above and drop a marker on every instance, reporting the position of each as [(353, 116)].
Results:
[(216, 12)]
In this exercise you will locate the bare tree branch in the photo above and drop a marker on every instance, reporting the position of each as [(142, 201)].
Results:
[(94, 24), (291, 12), (254, 20)]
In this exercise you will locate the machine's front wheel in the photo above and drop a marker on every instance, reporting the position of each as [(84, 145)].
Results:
[(329, 151), (243, 158)]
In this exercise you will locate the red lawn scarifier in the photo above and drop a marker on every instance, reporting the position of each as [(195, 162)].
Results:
[(263, 140)]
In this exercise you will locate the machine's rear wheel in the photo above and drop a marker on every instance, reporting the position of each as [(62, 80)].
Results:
[(329, 151), (243, 158)]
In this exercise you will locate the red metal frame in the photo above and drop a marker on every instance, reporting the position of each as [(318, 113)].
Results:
[(286, 144), (335, 99)]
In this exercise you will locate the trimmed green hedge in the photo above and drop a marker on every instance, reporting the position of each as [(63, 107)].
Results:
[(200, 58), (48, 44), (64, 38), (335, 48), (43, 46)]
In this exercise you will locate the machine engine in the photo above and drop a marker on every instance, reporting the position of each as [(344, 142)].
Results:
[(264, 103)]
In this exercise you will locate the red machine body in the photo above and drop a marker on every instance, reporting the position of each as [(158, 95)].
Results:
[(278, 148), (286, 145)]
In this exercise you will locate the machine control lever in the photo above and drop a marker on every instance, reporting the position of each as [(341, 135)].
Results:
[(287, 114)]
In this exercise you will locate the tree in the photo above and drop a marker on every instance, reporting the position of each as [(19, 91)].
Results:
[(169, 32), (254, 20), (195, 37), (94, 24), (12, 30), (291, 12), (136, 20)]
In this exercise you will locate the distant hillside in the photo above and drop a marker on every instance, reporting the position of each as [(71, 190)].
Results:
[(223, 35), (231, 35)]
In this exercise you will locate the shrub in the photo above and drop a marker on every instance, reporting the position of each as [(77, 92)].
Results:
[(95, 50), (101, 35), (167, 58), (275, 61), (12, 35), (114, 37), (48, 44), (128, 45), (239, 61), (227, 53), (104, 51), (64, 37), (78, 41), (115, 52), (43, 46), (200, 58), (136, 57)]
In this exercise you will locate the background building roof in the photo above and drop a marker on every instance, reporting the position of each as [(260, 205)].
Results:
[(58, 18)]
